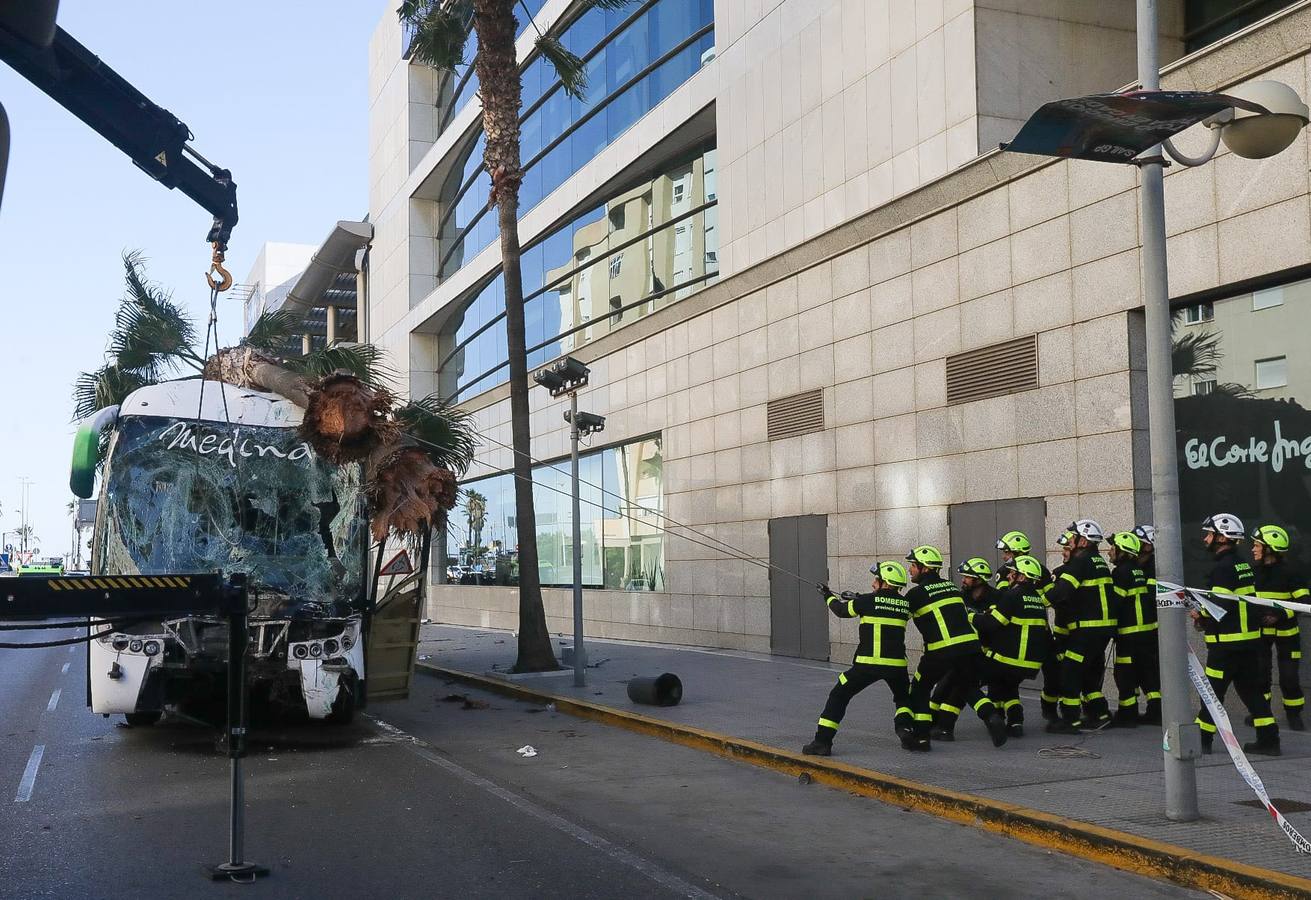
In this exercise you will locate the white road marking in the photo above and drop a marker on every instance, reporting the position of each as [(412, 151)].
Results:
[(29, 774), (54, 700), (64, 670), (660, 876)]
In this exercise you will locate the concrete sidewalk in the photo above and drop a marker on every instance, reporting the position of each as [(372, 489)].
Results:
[(1112, 779)]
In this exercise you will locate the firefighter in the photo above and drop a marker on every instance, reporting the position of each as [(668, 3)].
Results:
[(1084, 591), (951, 646), (1137, 655), (880, 652), (1014, 628), (948, 694), (1147, 562), (1278, 579), (1233, 642), (1016, 543)]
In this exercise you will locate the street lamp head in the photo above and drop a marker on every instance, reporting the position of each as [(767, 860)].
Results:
[(1254, 135)]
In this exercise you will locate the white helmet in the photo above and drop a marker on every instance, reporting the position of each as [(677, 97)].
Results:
[(1145, 533), (1087, 528), (1225, 525)]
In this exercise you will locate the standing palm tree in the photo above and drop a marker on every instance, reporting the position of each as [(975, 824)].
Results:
[(440, 29)]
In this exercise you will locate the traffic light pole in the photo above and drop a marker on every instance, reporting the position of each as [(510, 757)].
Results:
[(580, 654), (1182, 740)]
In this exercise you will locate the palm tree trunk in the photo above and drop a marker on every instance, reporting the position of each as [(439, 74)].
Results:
[(501, 90)]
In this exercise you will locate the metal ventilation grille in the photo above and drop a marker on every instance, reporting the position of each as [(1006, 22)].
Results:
[(798, 414), (1005, 368)]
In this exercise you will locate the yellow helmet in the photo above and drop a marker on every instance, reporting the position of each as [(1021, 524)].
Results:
[(893, 573), (926, 555)]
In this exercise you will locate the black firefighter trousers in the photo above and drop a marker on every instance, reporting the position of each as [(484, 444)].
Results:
[(852, 682)]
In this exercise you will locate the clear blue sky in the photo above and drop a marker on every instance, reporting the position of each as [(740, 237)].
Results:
[(275, 91)]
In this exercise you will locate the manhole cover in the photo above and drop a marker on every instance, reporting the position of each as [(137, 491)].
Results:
[(1283, 805)]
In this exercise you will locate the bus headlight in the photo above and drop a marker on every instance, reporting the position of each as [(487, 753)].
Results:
[(316, 650), (135, 646), (151, 647), (300, 651), (119, 642), (329, 647)]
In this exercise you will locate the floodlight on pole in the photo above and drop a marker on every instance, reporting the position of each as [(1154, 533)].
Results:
[(566, 377)]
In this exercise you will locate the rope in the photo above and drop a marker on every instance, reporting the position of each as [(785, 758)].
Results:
[(727, 549), (82, 639), (723, 547)]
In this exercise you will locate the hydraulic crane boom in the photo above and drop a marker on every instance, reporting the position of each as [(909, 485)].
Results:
[(150, 135)]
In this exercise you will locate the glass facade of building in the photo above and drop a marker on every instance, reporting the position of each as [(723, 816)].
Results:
[(1242, 389), (643, 249), (621, 500), (635, 57)]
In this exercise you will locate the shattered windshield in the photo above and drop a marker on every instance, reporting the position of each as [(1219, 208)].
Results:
[(187, 496)]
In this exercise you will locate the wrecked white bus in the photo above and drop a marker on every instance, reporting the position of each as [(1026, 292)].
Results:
[(200, 476)]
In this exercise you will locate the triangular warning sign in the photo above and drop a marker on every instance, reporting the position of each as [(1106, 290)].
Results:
[(399, 565), (162, 158)]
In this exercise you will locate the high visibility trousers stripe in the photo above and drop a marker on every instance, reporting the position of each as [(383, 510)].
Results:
[(829, 723), (1294, 701), (1131, 701), (948, 708), (1153, 695), (1206, 726)]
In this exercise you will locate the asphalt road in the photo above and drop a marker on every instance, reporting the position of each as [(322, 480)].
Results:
[(427, 797)]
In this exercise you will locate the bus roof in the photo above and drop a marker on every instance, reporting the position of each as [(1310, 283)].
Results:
[(182, 400)]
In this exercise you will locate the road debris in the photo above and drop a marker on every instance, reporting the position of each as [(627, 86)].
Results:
[(527, 751)]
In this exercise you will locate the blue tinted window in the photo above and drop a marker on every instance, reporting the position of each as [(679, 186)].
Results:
[(583, 126), (604, 268)]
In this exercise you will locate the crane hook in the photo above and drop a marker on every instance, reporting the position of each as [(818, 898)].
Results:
[(224, 280)]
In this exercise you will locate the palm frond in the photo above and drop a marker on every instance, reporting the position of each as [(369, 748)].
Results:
[(271, 331), (1196, 353), (445, 432), (151, 333), (439, 31), (364, 361), (567, 64), (106, 386)]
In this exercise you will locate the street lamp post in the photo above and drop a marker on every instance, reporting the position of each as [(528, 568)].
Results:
[(1183, 741), (1252, 132), (566, 377), (1254, 120)]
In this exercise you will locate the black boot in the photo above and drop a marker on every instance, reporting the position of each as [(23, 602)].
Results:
[(1295, 718), (1152, 714), (996, 729), (916, 743), (818, 748), (1267, 747), (939, 733), (1049, 710), (1015, 729), (1062, 726), (1208, 744), (1125, 717)]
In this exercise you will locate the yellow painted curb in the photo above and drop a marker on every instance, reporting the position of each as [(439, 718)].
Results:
[(1119, 849)]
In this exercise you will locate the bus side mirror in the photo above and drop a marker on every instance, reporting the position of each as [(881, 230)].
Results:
[(86, 453)]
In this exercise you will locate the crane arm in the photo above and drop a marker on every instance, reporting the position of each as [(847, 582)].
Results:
[(152, 137)]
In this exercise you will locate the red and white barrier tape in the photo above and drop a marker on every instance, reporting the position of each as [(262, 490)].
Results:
[(1221, 719)]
